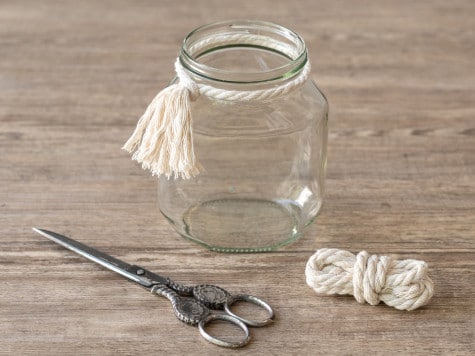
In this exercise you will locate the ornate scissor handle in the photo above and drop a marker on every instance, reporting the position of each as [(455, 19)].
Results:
[(220, 342), (191, 311), (217, 298), (253, 300)]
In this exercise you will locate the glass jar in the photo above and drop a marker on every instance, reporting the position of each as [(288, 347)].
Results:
[(262, 161)]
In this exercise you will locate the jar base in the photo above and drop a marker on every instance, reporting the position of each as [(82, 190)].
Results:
[(241, 225)]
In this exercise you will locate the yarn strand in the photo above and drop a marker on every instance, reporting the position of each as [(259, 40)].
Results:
[(402, 284), (163, 138)]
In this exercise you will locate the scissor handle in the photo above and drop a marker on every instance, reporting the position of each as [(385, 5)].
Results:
[(220, 342), (215, 297), (253, 300), (186, 309)]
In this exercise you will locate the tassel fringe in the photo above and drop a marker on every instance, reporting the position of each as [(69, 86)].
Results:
[(163, 138)]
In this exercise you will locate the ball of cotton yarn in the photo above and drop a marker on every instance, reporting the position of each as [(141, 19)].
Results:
[(402, 284)]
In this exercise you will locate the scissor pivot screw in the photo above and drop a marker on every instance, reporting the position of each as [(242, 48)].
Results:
[(140, 271)]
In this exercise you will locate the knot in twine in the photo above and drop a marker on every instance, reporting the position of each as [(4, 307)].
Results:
[(163, 139), (402, 284)]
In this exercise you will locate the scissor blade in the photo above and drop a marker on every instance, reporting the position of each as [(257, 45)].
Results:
[(96, 256)]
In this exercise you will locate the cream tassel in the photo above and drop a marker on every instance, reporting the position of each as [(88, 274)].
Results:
[(163, 138)]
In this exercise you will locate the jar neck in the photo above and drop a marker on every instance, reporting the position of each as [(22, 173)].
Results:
[(243, 53)]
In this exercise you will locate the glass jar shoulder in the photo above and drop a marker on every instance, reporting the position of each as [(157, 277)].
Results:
[(299, 110)]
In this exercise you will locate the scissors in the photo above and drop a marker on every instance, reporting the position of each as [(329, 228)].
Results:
[(194, 305)]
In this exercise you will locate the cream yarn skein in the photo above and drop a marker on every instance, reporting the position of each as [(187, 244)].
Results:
[(402, 284)]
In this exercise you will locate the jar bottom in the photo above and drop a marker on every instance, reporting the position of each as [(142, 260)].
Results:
[(242, 225)]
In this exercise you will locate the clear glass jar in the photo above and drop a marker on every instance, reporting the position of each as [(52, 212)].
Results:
[(263, 162)]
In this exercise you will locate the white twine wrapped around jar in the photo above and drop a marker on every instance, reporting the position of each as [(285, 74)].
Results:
[(163, 139)]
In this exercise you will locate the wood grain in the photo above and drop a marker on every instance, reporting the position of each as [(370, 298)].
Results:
[(75, 76)]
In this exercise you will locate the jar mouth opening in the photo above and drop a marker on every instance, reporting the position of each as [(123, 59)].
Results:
[(249, 38)]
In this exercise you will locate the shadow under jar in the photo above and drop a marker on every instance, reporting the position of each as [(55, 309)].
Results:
[(263, 161)]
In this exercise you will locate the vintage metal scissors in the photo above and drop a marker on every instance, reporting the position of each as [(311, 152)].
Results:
[(193, 305)]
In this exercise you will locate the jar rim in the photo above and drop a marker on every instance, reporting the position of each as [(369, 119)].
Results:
[(243, 33)]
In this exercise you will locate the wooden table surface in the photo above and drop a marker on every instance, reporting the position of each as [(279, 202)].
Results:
[(74, 78)]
